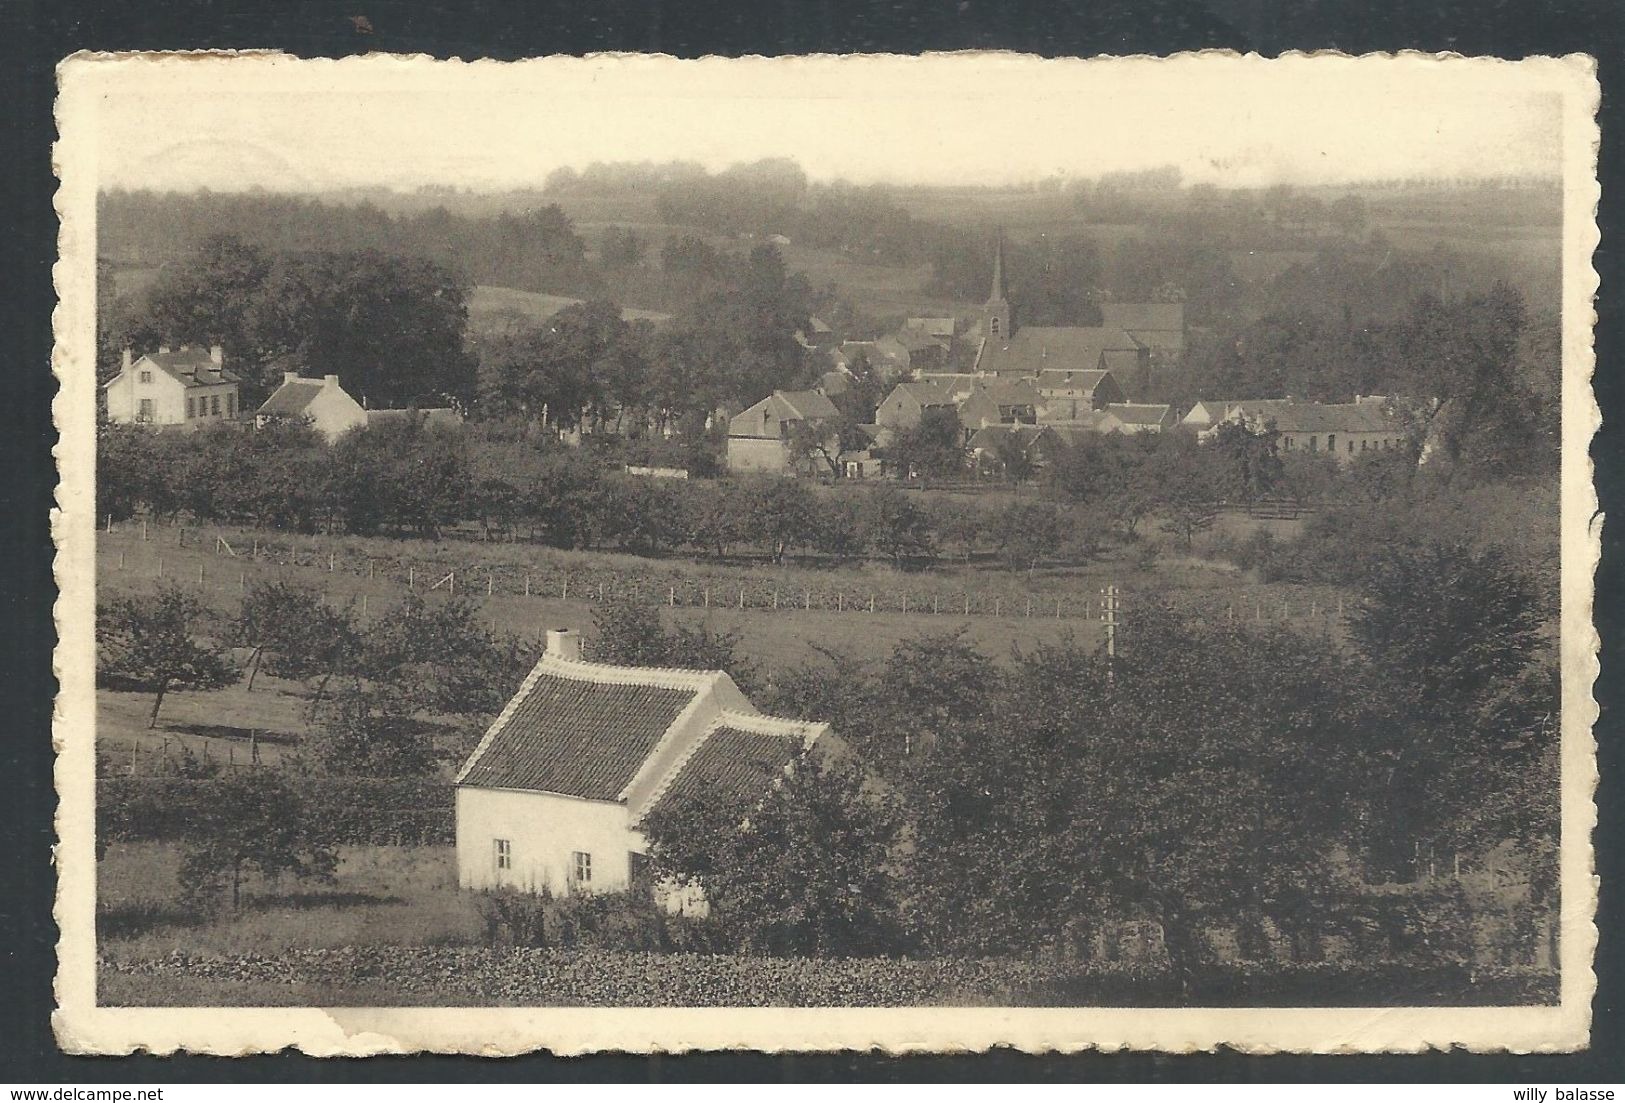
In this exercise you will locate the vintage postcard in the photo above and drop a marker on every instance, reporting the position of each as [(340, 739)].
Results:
[(901, 553)]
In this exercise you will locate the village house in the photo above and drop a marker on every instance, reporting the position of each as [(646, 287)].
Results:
[(556, 794), (988, 446), (185, 386), (907, 403), (1000, 402), (326, 406), (1206, 414), (1137, 417), (761, 437), (888, 357), (1066, 394)]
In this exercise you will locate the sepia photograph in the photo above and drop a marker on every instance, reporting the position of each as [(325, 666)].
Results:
[(922, 553)]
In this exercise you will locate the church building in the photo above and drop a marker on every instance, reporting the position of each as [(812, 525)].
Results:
[(1009, 349)]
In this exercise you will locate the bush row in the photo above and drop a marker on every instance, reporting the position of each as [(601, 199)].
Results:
[(376, 811), (601, 978)]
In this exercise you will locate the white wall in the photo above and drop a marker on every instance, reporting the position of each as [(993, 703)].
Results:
[(544, 831), (333, 412), (756, 454)]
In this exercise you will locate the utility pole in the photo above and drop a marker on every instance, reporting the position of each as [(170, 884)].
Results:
[(1108, 617)]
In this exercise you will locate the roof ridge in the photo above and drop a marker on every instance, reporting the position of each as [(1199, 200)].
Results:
[(619, 674)]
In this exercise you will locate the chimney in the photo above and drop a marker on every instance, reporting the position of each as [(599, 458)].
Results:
[(290, 377), (125, 358), (217, 354), (331, 380), (564, 643)]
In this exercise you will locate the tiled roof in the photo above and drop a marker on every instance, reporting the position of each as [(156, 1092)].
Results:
[(1130, 413), (1031, 349), (736, 763), (1315, 417), (575, 735), (936, 327), (434, 416), (291, 399), (988, 438), (1056, 378), (1133, 316), (835, 382), (927, 393), (806, 405), (193, 367)]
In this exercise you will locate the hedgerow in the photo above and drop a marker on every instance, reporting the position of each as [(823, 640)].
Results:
[(368, 811)]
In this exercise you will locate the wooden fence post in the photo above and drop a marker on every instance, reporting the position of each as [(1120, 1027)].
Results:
[(488, 584), (564, 591), (527, 585), (967, 603), (369, 570), (775, 597), (242, 582), (905, 603), (363, 604), (871, 602), (109, 522), (1029, 611), (1057, 608), (143, 530), (840, 601), (121, 560), (671, 595), (160, 566), (708, 597), (411, 578), (995, 606), (741, 597), (255, 554)]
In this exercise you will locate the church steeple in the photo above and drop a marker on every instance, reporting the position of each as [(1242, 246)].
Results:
[(998, 318)]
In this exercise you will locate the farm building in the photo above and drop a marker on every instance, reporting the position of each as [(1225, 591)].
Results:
[(429, 417), (989, 446), (326, 405), (1160, 327), (555, 795), (184, 386), (760, 437), (1343, 429)]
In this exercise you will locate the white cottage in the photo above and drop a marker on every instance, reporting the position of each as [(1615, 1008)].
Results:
[(327, 406), (555, 795)]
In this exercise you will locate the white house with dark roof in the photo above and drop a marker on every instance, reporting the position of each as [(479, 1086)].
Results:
[(557, 792), (326, 405), (184, 386)]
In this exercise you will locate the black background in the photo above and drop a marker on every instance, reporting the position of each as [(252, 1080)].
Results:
[(35, 34)]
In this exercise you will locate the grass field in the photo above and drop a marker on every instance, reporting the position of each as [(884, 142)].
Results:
[(381, 896), (487, 302)]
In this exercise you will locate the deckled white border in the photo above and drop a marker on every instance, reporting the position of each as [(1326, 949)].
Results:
[(82, 1027)]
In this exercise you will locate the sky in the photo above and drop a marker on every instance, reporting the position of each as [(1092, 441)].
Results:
[(287, 124)]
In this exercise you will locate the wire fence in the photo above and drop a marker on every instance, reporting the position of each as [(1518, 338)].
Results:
[(217, 559)]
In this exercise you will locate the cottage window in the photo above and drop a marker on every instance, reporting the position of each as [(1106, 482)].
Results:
[(191, 408), (583, 867), (1351, 448), (146, 377), (214, 405), (502, 851), (231, 405), (1331, 442), (1314, 444), (146, 410)]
